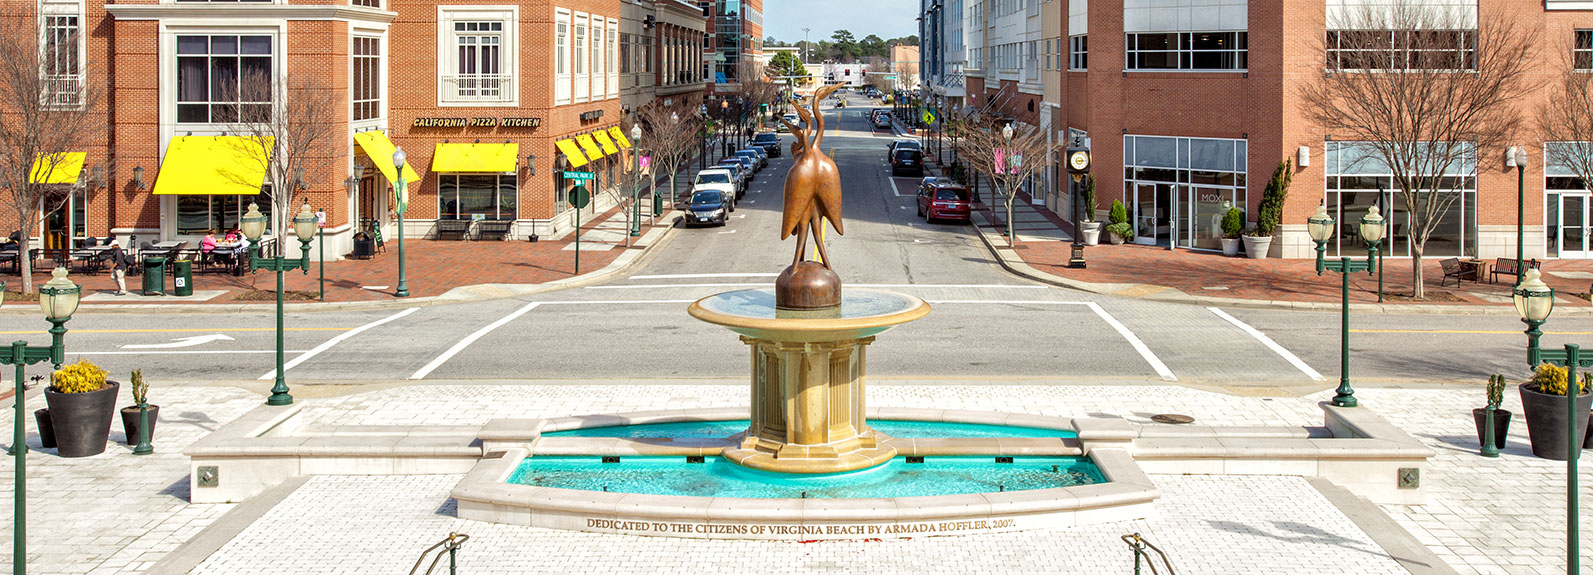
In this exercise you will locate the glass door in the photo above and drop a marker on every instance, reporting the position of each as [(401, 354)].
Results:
[(1152, 214), (1574, 226)]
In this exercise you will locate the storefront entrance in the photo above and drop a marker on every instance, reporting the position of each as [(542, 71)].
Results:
[(65, 219), (1573, 228), (1152, 217)]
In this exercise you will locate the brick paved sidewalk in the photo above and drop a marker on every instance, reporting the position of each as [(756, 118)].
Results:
[(433, 268)]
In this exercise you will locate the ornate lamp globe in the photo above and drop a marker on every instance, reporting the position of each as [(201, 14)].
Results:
[(636, 133), (1006, 132), (1372, 226), (304, 223), (253, 223), (398, 159), (58, 298), (1534, 299), (1320, 225)]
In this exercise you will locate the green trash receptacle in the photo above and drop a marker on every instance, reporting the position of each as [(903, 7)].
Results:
[(182, 278), (155, 276)]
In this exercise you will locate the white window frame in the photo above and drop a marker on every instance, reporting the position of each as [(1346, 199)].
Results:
[(508, 54), (65, 99), (380, 119), (1079, 52), (579, 50), (613, 56), (561, 56)]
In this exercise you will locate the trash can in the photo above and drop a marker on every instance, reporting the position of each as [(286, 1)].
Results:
[(155, 276), (182, 278)]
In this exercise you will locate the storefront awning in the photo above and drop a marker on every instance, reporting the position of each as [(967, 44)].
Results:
[(571, 152), (590, 145), (213, 165), (504, 157), (608, 145), (62, 168), (380, 150), (619, 137)]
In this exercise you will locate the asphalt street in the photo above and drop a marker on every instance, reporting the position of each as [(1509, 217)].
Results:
[(987, 324)]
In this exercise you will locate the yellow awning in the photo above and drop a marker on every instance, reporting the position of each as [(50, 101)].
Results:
[(608, 145), (590, 145), (380, 149), (214, 165), (571, 152), (62, 168), (476, 158), (619, 137)]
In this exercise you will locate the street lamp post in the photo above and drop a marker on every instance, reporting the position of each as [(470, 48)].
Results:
[(1534, 302), (636, 180), (1321, 227), (253, 225), (1516, 157), (1006, 136), (402, 189), (58, 299)]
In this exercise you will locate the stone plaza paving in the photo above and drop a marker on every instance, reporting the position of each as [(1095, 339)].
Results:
[(117, 513)]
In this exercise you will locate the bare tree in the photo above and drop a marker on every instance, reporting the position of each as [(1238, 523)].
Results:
[(47, 110), (288, 133), (670, 135), (1009, 162), (1423, 88), (1565, 118)]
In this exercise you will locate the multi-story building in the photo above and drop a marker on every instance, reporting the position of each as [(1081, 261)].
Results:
[(491, 102), (906, 66), (735, 42), (661, 52)]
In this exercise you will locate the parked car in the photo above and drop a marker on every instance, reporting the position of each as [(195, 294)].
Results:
[(907, 161), (717, 179), (794, 119), (709, 206), (890, 150), (770, 142), (739, 171), (882, 121), (939, 200), (749, 165), (926, 184), (759, 160)]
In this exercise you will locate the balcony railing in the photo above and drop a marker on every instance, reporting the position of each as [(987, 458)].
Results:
[(482, 88), (63, 90)]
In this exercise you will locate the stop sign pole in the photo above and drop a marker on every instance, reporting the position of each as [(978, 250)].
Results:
[(579, 198)]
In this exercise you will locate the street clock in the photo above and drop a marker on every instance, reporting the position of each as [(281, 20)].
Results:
[(1078, 161)]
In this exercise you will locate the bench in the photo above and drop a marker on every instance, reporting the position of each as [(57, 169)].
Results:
[(1507, 266), (494, 229), (453, 229), (1453, 269)]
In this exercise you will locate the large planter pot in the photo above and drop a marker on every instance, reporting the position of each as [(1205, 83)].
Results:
[(1230, 247), (1092, 233), (82, 421), (46, 428), (1117, 239), (1256, 247), (130, 422), (1501, 425), (1546, 422)]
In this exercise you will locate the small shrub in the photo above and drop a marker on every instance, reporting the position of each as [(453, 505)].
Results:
[(140, 389), (80, 377), (1122, 229), (1551, 379), (1089, 199), (1118, 214), (1233, 222), (1496, 385), (1271, 209)]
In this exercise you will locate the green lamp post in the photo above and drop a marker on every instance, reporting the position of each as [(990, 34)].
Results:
[(636, 189), (253, 225), (1320, 226), (58, 299), (1534, 302), (401, 190)]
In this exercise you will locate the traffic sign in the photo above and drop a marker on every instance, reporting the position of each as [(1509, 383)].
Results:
[(580, 197), (929, 117), (579, 175)]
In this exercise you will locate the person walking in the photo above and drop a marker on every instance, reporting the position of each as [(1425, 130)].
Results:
[(119, 267)]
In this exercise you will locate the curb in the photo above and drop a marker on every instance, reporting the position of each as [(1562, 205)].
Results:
[(1010, 261), (657, 237)]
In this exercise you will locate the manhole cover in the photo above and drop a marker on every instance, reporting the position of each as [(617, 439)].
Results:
[(1172, 418)]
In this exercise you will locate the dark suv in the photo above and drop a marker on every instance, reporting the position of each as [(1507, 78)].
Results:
[(907, 161), (769, 141)]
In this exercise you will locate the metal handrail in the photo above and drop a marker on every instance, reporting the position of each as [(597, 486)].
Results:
[(451, 544), (1139, 545), (478, 87)]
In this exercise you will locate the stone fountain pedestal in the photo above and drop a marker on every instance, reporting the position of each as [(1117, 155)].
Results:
[(809, 377)]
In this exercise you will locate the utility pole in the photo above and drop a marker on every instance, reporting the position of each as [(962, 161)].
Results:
[(805, 44)]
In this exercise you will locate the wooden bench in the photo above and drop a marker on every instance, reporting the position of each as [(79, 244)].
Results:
[(1507, 266), (494, 229), (453, 229), (1453, 269)]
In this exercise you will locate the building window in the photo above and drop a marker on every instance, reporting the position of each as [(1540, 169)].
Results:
[(1079, 52), (224, 79), (613, 56), (466, 196), (478, 72), (598, 66), (197, 215), (1178, 189), (1188, 51), (63, 61), (561, 57), (1582, 52), (1357, 179), (368, 3), (367, 78), (1406, 50), (580, 45)]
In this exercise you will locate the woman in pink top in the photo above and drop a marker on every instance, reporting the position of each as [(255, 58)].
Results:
[(208, 244)]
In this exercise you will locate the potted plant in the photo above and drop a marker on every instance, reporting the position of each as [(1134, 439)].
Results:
[(130, 413), (1501, 416), (1543, 404), (1233, 223), (81, 403), (1259, 239), (1089, 227), (1119, 230)]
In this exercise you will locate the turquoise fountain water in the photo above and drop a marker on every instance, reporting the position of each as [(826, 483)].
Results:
[(898, 428)]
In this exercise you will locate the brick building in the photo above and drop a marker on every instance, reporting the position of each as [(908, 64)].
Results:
[(491, 103), (735, 39)]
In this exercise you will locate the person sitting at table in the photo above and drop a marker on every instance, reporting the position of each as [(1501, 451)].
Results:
[(208, 243)]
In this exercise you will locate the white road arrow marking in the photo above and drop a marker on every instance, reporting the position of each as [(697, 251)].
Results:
[(182, 342)]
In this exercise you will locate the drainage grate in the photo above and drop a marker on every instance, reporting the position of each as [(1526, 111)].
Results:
[(1172, 418), (695, 459), (1003, 460), (610, 459), (915, 459)]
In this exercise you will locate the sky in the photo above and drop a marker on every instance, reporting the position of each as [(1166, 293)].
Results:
[(785, 19)]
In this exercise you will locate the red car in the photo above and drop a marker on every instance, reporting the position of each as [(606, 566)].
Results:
[(944, 201)]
